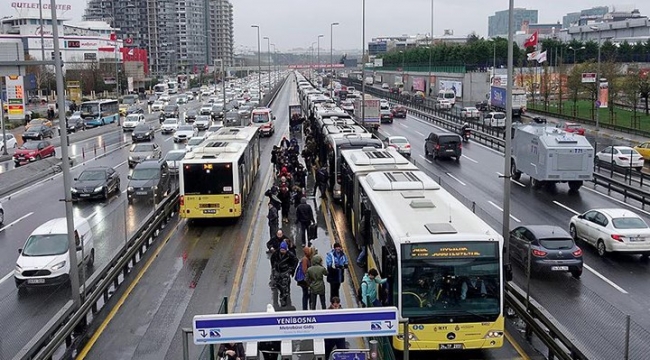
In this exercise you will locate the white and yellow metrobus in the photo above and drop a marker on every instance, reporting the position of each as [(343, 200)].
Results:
[(442, 263), (216, 178)]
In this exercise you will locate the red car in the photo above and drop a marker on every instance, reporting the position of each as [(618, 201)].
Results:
[(399, 111), (573, 128), (32, 151)]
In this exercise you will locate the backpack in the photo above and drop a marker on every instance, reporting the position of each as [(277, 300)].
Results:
[(299, 274), (360, 294)]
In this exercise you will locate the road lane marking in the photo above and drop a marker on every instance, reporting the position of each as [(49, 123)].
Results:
[(500, 209), (470, 159), (617, 200), (169, 138), (91, 342), (457, 179), (6, 277), (429, 161), (420, 133), (120, 164), (516, 345), (513, 180), (603, 278), (386, 132), (565, 207), (16, 221), (403, 125)]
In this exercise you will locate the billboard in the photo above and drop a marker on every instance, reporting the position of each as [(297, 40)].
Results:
[(456, 86), (418, 84), (15, 97)]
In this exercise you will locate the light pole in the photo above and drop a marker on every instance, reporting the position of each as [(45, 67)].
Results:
[(430, 52), (117, 50), (259, 62), (312, 57), (363, 64), (402, 52), (574, 52), (508, 158), (332, 25), (275, 65), (600, 33), (318, 53), (268, 48)]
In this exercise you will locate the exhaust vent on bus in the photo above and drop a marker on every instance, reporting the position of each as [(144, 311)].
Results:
[(413, 195), (422, 204), (401, 180), (440, 228)]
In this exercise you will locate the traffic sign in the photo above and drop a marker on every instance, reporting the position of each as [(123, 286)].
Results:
[(588, 78), (295, 325), (15, 97), (349, 355)]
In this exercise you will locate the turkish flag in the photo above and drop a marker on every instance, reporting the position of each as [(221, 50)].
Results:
[(113, 37), (532, 40)]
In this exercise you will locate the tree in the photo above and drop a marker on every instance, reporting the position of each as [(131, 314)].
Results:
[(561, 74), (575, 86), (631, 87), (611, 71)]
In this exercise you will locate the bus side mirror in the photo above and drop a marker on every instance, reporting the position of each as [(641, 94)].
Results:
[(507, 271)]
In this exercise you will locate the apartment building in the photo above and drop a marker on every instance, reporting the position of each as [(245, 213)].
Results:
[(220, 31)]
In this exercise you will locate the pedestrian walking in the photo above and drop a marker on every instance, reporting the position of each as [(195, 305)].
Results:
[(283, 263), (315, 278), (301, 276), (274, 243), (369, 287), (285, 198), (322, 176), (304, 218), (336, 262), (274, 220)]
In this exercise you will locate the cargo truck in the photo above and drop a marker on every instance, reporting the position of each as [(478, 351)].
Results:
[(549, 155), (499, 98), (371, 111)]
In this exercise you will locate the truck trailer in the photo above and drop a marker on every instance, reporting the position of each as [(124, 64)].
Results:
[(549, 155), (499, 98), (371, 111)]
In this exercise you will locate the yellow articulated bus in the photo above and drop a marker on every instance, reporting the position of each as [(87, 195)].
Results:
[(217, 177), (442, 263)]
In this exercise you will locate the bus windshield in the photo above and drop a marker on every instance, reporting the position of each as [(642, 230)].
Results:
[(89, 110), (208, 179), (450, 282)]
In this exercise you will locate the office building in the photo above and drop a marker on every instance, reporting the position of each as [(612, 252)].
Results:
[(385, 44), (498, 23), (582, 17), (220, 31)]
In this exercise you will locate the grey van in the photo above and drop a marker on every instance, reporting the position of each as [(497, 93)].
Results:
[(443, 144)]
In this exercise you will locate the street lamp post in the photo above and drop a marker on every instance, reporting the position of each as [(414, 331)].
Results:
[(402, 52), (268, 48), (430, 53), (574, 52), (508, 136), (318, 53), (600, 34), (311, 58), (363, 64), (259, 62), (275, 64), (332, 25)]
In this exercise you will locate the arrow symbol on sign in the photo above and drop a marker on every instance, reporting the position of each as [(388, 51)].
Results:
[(203, 333), (389, 324)]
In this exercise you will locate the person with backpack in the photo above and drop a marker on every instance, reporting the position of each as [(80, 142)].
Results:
[(368, 288), (301, 276), (283, 263), (336, 262), (315, 275)]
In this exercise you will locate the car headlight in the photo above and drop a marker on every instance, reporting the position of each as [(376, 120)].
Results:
[(155, 187), (98, 189), (73, 190), (31, 158), (130, 188), (58, 266), (18, 268), (130, 158)]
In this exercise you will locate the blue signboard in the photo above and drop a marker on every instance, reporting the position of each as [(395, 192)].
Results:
[(349, 355)]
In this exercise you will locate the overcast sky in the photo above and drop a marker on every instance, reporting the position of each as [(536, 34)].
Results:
[(297, 23)]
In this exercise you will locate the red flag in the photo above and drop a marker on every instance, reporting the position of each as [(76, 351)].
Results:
[(113, 37), (532, 40)]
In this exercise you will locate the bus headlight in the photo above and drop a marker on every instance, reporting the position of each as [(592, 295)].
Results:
[(412, 337), (494, 334)]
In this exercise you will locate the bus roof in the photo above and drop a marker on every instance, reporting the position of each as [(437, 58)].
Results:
[(342, 128), (242, 133), (369, 159), (215, 152), (416, 209), (357, 140)]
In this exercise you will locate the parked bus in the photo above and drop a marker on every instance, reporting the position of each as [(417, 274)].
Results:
[(217, 177), (443, 264), (100, 112), (172, 87), (160, 89)]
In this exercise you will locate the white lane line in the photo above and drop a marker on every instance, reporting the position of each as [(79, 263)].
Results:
[(420, 133), (386, 132), (429, 161), (470, 159), (404, 125), (500, 209), (16, 221), (457, 179), (124, 191), (120, 164), (512, 180), (617, 200), (565, 207), (603, 278), (6, 277), (169, 138)]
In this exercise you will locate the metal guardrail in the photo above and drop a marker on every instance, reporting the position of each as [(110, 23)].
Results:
[(63, 325)]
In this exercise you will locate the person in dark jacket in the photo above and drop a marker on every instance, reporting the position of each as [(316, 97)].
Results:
[(272, 194), (274, 243), (336, 262), (322, 177), (285, 199), (304, 218), (232, 351), (284, 143), (274, 219), (338, 343), (283, 263)]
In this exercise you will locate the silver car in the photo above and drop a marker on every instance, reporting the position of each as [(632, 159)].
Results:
[(400, 143), (173, 159), (143, 151)]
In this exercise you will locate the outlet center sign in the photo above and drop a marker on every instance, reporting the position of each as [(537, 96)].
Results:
[(15, 97)]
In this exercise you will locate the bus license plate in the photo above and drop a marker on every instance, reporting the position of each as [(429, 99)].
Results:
[(451, 346), (559, 268), (141, 193), (36, 281), (210, 211)]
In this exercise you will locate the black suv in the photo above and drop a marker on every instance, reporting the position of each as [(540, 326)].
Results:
[(150, 180), (443, 144), (171, 111)]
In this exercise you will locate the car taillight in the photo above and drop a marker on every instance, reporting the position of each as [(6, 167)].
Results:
[(622, 158), (182, 200), (577, 252), (539, 253), (237, 199), (408, 146), (460, 145), (618, 237), (437, 146)]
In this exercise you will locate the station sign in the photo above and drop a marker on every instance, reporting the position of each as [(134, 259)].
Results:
[(588, 78), (15, 97), (295, 325)]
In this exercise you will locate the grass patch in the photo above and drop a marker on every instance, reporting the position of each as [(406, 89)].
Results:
[(583, 111)]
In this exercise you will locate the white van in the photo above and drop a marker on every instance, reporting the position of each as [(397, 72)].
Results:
[(44, 260), (447, 95), (495, 120)]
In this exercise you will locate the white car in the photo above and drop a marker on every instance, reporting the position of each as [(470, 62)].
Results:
[(165, 98), (131, 121), (469, 112), (612, 230), (185, 132), (194, 142), (11, 142), (213, 128), (385, 86), (169, 126), (202, 122), (400, 143), (205, 109), (173, 158), (189, 95), (157, 106), (623, 156)]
